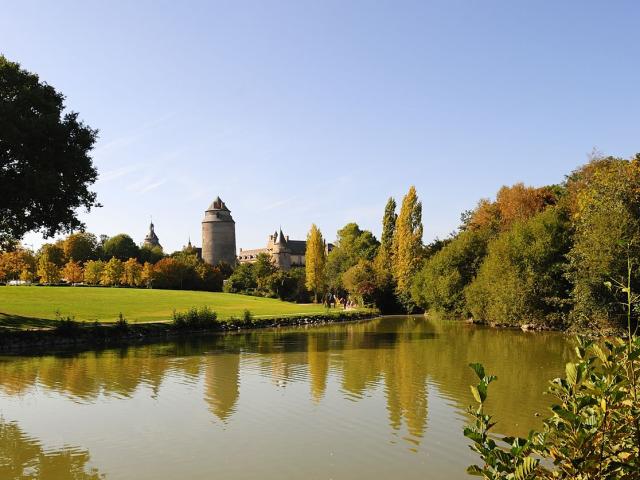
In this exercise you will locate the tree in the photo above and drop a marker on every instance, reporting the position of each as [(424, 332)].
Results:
[(148, 275), (48, 271), (93, 271), (242, 280), (210, 277), (388, 231), (315, 262), (360, 282), (352, 246), (45, 167), (605, 200), (132, 273), (112, 273), (80, 247), (121, 247), (150, 254), (522, 277), (439, 285), (17, 264), (53, 252), (263, 268), (172, 273), (72, 272), (407, 243)]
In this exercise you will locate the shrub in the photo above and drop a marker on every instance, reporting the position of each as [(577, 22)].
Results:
[(594, 432), (196, 319)]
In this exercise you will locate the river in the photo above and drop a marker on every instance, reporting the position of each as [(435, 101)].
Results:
[(379, 399)]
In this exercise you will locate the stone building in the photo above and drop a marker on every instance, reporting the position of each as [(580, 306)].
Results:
[(152, 240), (284, 253), (218, 234)]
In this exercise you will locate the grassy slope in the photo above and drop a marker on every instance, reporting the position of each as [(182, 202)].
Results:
[(32, 306)]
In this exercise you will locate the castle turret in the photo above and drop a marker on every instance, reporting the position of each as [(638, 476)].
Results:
[(152, 240), (281, 254), (218, 234)]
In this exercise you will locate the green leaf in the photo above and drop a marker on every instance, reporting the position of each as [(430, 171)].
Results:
[(474, 470), (479, 369)]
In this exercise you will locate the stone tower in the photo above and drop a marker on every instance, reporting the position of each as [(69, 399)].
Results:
[(280, 253), (152, 240), (218, 234)]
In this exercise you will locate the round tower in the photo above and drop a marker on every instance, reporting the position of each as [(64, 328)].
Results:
[(281, 254), (218, 235)]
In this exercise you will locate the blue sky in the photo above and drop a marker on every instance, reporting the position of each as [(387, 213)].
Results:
[(299, 112)]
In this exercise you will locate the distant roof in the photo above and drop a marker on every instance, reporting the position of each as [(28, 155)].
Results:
[(297, 247), (217, 204)]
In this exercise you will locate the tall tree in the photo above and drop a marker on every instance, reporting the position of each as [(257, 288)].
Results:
[(388, 230), (80, 247), (45, 167), (121, 246), (315, 262), (407, 242)]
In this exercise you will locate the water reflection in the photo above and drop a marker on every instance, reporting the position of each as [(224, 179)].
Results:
[(408, 363), (22, 457)]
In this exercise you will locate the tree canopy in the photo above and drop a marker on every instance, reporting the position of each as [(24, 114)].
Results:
[(45, 167)]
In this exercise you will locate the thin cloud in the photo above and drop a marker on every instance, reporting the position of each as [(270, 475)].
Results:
[(146, 184), (116, 173)]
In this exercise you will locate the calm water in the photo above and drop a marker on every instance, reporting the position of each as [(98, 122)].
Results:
[(381, 399)]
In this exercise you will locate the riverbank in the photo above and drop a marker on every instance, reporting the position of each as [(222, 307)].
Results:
[(71, 334)]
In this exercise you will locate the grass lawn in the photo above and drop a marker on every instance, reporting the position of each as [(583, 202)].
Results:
[(29, 307)]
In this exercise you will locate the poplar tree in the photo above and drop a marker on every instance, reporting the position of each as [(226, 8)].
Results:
[(315, 262), (388, 230), (407, 242)]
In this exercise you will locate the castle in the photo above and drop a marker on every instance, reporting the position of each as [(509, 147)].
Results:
[(219, 242)]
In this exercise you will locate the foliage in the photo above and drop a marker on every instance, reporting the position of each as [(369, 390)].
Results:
[(48, 267), (147, 276), (407, 243), (242, 280), (45, 167), (360, 282), (315, 261), (172, 273), (132, 273), (80, 247), (17, 264), (594, 431), (263, 269), (72, 272), (121, 247), (352, 246), (202, 318), (112, 272), (605, 198), (93, 271), (440, 283), (522, 277), (150, 254)]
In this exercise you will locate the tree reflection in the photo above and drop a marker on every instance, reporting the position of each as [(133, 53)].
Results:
[(22, 457)]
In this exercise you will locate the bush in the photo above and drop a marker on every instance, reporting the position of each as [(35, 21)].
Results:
[(196, 319), (594, 432)]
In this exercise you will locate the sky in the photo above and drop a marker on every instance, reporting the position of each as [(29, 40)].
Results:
[(300, 112)]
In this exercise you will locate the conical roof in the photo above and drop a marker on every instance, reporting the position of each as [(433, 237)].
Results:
[(217, 204)]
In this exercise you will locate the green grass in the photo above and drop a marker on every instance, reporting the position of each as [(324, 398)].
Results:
[(36, 307)]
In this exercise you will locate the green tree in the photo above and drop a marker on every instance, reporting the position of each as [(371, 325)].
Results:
[(352, 246), (407, 244), (242, 280), (605, 198), (53, 252), (440, 283), (388, 231), (45, 167), (80, 247), (522, 278), (150, 254), (360, 282), (121, 247), (112, 273), (263, 269), (315, 262)]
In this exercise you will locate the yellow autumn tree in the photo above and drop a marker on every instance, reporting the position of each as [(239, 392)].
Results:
[(112, 273), (132, 273), (315, 262), (407, 242), (48, 271), (72, 272)]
